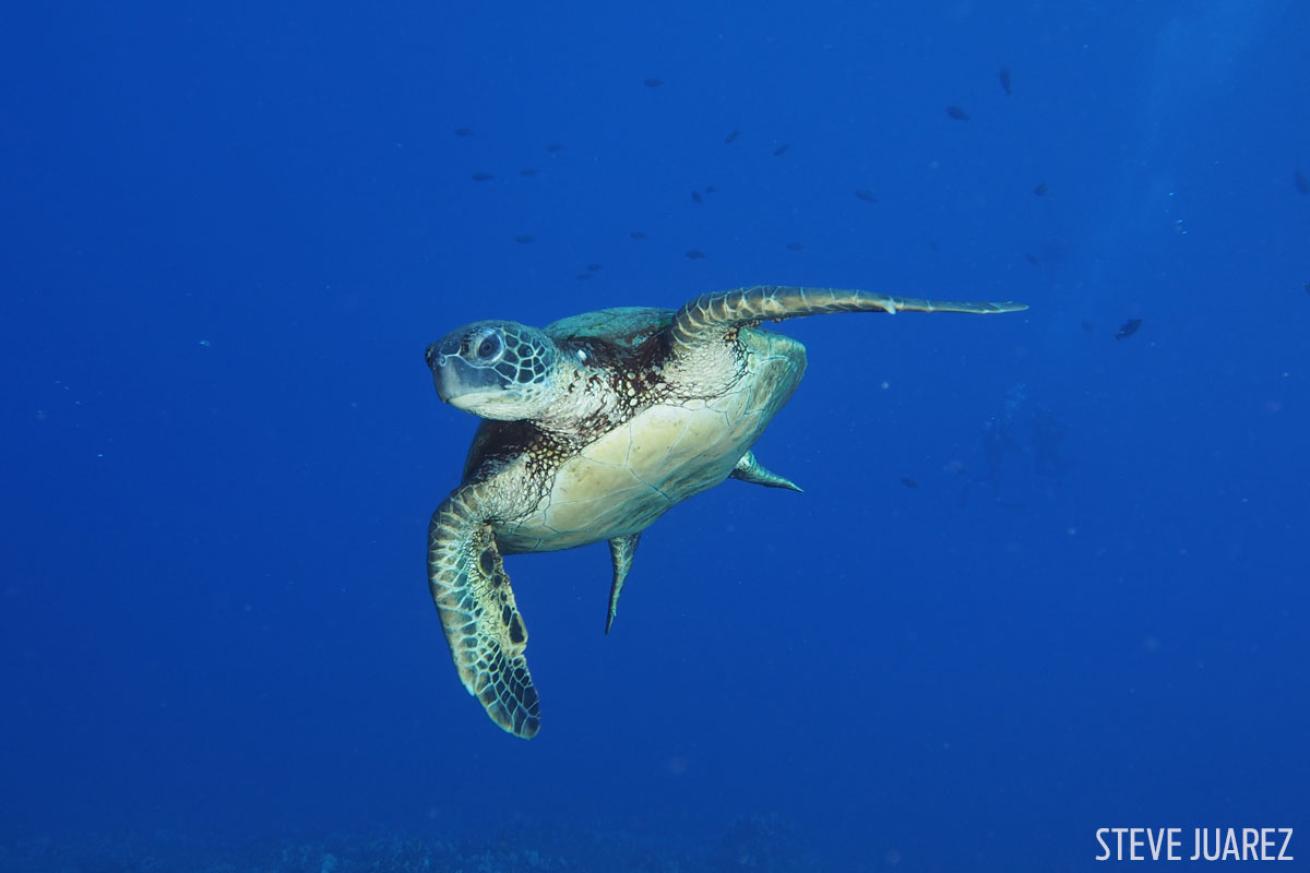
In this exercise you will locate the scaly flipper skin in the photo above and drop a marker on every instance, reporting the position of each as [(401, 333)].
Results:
[(749, 469), (622, 550), (710, 315), (478, 614)]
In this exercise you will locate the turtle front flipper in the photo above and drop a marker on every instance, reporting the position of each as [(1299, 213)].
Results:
[(707, 317), (622, 551), (471, 590), (749, 469)]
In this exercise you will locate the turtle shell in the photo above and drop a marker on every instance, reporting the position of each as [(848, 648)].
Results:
[(624, 326)]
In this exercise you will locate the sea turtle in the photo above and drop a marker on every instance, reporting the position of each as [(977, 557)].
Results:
[(595, 426)]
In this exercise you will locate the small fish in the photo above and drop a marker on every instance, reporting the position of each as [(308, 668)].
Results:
[(554, 148), (1128, 328), (1040, 189), (593, 268), (909, 483), (637, 234), (1004, 75), (956, 113), (528, 172), (781, 150), (866, 195), (696, 198), (795, 247), (482, 177), (524, 238), (1031, 258), (463, 131), (653, 83), (731, 137), (1302, 183), (695, 255)]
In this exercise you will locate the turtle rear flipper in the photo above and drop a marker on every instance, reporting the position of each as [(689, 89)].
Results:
[(749, 469), (622, 551), (471, 590), (706, 318)]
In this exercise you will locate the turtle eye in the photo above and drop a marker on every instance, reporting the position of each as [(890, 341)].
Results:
[(488, 347)]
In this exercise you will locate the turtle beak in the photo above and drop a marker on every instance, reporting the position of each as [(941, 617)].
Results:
[(445, 382), (446, 373), (455, 379), (439, 357)]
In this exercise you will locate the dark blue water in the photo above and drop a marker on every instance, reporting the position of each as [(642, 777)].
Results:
[(1041, 580)]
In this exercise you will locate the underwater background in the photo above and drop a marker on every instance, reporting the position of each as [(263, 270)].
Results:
[(1049, 572)]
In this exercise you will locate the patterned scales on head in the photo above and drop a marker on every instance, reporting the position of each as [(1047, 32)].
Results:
[(594, 427)]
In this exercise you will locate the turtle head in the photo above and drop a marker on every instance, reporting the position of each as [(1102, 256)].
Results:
[(501, 370)]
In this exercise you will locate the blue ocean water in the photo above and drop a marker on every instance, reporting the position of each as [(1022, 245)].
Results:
[(1043, 578)]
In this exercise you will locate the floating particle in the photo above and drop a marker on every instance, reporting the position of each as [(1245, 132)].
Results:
[(1128, 328), (463, 131), (909, 483), (781, 150), (696, 198), (1040, 189), (866, 195), (1004, 76), (731, 137), (482, 177), (710, 189), (205, 344), (652, 83), (956, 113), (695, 255), (593, 268), (528, 172), (637, 234), (795, 247), (524, 238)]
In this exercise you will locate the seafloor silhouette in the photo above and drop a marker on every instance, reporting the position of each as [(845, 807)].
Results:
[(760, 843)]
